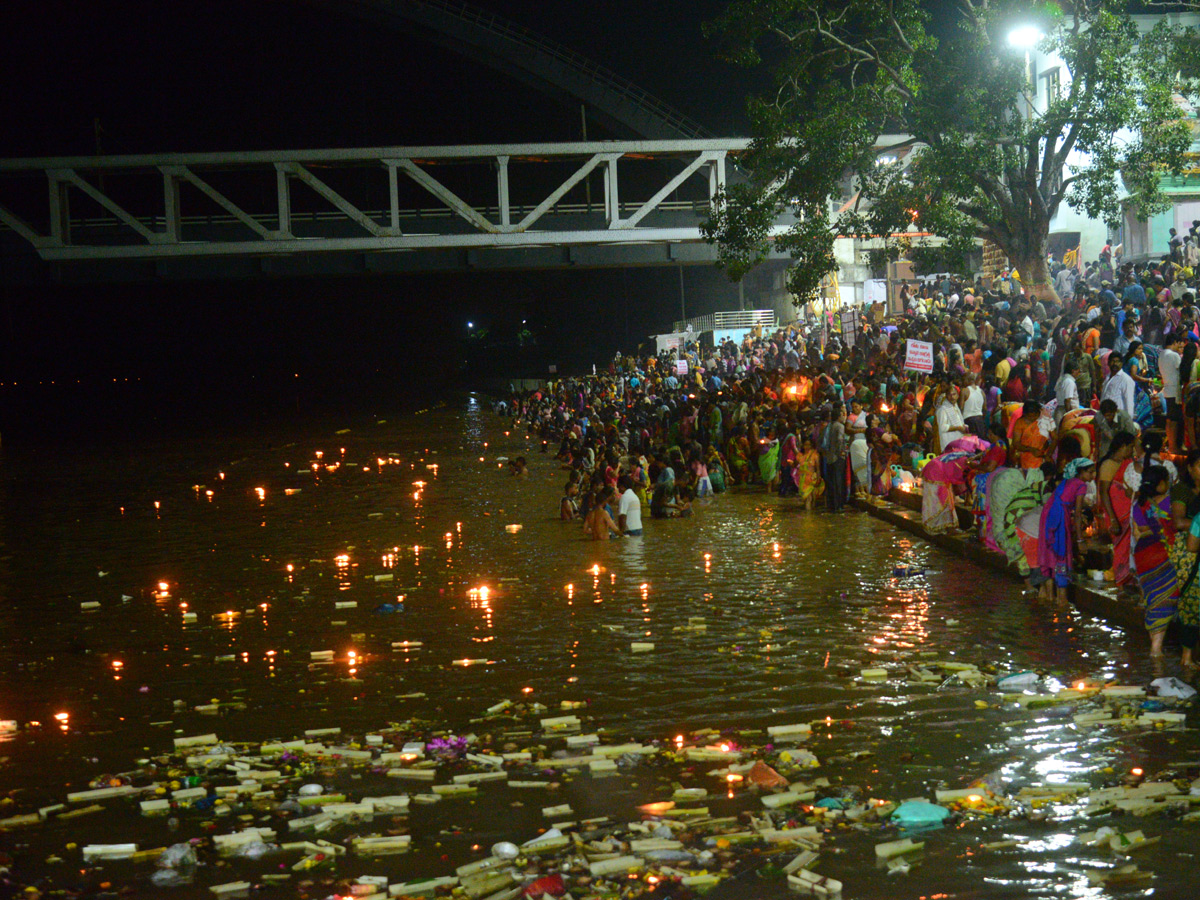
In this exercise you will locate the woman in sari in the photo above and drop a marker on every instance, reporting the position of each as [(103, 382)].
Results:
[(718, 472), (1138, 367), (768, 460), (1185, 511), (1153, 532), (982, 476), (884, 446), (808, 474), (1029, 447), (1062, 527), (940, 478), (906, 421), (788, 452), (737, 454), (1115, 501), (1012, 493)]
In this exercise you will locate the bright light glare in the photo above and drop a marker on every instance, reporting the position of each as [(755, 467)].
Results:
[(1025, 37)]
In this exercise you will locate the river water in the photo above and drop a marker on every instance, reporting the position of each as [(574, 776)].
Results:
[(267, 536)]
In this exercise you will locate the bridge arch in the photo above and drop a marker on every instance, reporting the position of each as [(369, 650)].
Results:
[(532, 59)]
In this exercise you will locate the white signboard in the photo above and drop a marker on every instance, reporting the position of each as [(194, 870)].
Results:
[(918, 357), (681, 367)]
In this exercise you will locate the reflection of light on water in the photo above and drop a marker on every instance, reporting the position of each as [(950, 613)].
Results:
[(657, 809), (480, 599), (908, 623)]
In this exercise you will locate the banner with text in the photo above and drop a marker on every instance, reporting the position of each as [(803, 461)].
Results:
[(919, 357)]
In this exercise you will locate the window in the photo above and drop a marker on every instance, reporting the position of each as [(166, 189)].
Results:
[(1052, 83)]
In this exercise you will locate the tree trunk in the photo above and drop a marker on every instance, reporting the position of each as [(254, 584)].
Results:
[(1035, 274), (1026, 251)]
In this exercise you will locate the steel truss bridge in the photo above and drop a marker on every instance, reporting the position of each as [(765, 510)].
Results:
[(639, 201), (374, 209)]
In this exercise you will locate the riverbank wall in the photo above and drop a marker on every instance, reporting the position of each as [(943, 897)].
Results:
[(1099, 599)]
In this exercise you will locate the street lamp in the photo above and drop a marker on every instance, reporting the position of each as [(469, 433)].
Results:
[(1025, 37), (470, 324)]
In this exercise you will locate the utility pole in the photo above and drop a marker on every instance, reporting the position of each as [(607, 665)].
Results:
[(682, 305)]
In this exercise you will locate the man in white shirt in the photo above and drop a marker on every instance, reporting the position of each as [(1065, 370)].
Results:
[(1168, 368), (1066, 391), (972, 406), (629, 511), (1120, 387)]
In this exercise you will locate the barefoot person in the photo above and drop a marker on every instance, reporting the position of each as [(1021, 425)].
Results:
[(1062, 527), (1152, 534)]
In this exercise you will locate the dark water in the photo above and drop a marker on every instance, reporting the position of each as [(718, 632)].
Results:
[(795, 604)]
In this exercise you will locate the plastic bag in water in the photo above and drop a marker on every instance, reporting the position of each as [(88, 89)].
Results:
[(918, 815), (505, 850), (256, 850), (1019, 681), (171, 878), (177, 856), (1173, 687)]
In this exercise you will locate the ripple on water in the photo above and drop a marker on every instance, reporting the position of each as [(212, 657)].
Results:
[(391, 532)]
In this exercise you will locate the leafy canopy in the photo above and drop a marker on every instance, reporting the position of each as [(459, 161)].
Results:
[(967, 153)]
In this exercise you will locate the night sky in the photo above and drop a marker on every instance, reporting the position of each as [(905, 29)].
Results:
[(274, 74)]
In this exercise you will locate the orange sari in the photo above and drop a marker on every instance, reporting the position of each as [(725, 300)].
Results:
[(1027, 433)]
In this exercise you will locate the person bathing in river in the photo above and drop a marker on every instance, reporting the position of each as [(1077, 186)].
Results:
[(568, 506), (599, 523)]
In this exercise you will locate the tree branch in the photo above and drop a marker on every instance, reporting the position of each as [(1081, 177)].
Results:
[(873, 57)]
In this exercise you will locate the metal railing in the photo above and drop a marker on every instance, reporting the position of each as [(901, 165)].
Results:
[(698, 207), (737, 318)]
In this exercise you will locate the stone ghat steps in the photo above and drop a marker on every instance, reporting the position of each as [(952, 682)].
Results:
[(1101, 600)]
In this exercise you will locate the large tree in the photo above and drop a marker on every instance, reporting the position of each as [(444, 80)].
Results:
[(972, 155)]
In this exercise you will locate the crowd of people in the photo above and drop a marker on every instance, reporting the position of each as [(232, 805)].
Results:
[(1057, 428)]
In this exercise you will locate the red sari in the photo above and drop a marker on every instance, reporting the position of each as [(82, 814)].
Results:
[(1121, 505)]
